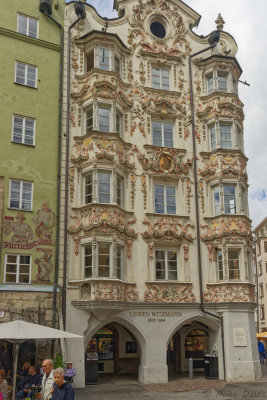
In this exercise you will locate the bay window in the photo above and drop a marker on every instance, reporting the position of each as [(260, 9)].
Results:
[(228, 199), (103, 58), (103, 259), (103, 118), (232, 264), (107, 186), (217, 81)]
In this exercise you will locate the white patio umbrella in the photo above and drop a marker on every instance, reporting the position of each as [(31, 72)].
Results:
[(20, 331)]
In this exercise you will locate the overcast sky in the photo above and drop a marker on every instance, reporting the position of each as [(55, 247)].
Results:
[(246, 21)]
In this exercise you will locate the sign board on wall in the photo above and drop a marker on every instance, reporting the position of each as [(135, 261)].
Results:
[(240, 337)]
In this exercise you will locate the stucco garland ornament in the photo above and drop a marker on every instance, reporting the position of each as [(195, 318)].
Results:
[(169, 294)]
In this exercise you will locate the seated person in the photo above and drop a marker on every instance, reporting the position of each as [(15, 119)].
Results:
[(70, 372), (25, 386), (24, 370), (3, 385)]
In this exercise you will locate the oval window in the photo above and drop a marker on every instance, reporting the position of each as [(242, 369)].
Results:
[(158, 29)]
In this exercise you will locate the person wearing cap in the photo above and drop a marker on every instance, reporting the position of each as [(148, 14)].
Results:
[(70, 372)]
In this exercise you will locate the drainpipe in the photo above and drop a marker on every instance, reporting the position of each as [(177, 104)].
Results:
[(80, 11), (55, 288), (213, 40)]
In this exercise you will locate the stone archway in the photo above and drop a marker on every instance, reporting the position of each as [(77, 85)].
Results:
[(192, 339)]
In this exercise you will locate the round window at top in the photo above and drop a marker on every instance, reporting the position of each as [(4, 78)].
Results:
[(158, 29)]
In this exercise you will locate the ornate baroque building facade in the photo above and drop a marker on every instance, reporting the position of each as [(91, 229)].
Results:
[(156, 271)]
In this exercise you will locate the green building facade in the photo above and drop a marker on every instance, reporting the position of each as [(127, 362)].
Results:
[(30, 44)]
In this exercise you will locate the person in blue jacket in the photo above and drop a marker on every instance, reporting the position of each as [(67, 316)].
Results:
[(261, 349), (26, 385), (62, 390)]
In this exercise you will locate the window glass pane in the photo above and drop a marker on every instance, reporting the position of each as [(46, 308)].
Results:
[(168, 128), (157, 133), (12, 268), (103, 57), (104, 187), (225, 136), (89, 120), (212, 138), (10, 278), (22, 24), (222, 83), (229, 199), (170, 197), (33, 23), (117, 63), (159, 199), (88, 261), (88, 189), (17, 129), (103, 259), (217, 205), (233, 264), (31, 76), (103, 119), (24, 278), (119, 191), (20, 73), (220, 264), (25, 259), (12, 259), (210, 84)]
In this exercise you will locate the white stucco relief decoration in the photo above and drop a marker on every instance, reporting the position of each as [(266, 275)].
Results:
[(138, 38), (229, 293), (221, 164), (226, 226), (91, 149), (105, 220), (164, 161), (115, 292), (169, 294), (220, 106), (167, 228)]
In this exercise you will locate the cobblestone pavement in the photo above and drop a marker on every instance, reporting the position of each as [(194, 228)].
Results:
[(126, 388)]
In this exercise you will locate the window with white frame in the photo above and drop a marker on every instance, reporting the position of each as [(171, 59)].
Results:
[(217, 81), (160, 78), (20, 195), (233, 264), (17, 268), (23, 130), (229, 199), (225, 136), (106, 184), (162, 133), (102, 119), (27, 25), (103, 58), (220, 265), (106, 255), (166, 264), (165, 199), (26, 74)]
